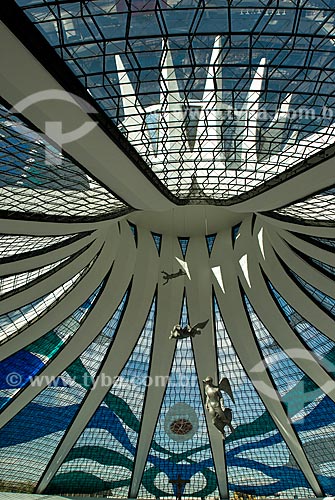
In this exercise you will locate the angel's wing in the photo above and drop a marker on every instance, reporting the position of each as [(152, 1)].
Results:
[(204, 391), (200, 326), (224, 386)]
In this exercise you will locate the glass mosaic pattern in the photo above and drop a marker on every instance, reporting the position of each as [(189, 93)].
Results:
[(214, 103), (259, 462), (213, 114), (185, 452), (258, 459), (12, 322), (29, 362), (107, 447), (37, 179), (33, 435), (307, 406), (319, 208)]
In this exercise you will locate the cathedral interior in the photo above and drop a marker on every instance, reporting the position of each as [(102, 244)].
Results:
[(167, 212)]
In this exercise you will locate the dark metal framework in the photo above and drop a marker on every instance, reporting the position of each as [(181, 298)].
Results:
[(233, 118), (39, 182), (197, 94)]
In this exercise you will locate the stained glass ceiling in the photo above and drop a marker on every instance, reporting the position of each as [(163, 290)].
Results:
[(96, 397), (81, 392), (225, 95), (37, 181)]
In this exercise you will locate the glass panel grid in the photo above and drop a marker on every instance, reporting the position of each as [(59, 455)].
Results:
[(321, 346), (227, 112), (102, 458), (324, 300), (284, 371), (325, 241), (210, 242), (183, 242), (181, 443), (18, 245), (258, 460), (37, 178), (158, 241), (27, 363), (318, 208), (310, 411), (324, 266), (29, 440), (15, 321), (19, 281)]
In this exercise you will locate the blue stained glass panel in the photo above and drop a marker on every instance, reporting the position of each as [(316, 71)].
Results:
[(33, 435), (181, 433), (183, 242), (158, 241), (311, 412), (258, 459), (319, 344), (28, 362), (324, 300), (102, 458), (210, 242)]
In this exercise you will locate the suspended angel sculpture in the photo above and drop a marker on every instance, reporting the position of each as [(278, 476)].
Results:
[(183, 332), (220, 415), (167, 277)]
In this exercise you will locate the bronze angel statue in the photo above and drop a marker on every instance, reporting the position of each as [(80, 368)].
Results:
[(167, 277), (221, 416), (183, 332)]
